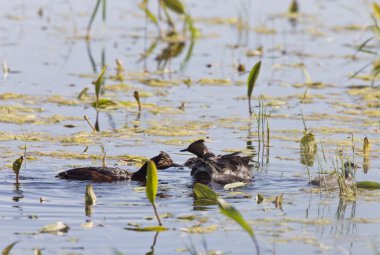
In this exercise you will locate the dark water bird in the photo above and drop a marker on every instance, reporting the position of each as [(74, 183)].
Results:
[(330, 181), (222, 169), (109, 174)]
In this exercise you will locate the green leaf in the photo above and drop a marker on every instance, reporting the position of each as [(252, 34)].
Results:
[(8, 248), (149, 228), (308, 143), (201, 191), (253, 77), (151, 16), (175, 5), (235, 215), (99, 81), (368, 185), (17, 165), (151, 181), (105, 103)]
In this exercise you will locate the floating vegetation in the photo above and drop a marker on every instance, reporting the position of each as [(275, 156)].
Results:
[(368, 185), (55, 228)]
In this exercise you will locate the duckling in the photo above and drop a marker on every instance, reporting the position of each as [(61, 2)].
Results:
[(222, 169), (330, 181), (109, 174)]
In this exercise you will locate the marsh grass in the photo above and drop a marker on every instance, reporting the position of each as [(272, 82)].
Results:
[(263, 129)]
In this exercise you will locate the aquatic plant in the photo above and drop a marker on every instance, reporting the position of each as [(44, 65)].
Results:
[(17, 166), (151, 187), (251, 81), (8, 249), (137, 97), (90, 197), (262, 119), (98, 83), (293, 8), (203, 192), (94, 12), (366, 48)]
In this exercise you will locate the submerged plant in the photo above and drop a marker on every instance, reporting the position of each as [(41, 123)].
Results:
[(203, 192)]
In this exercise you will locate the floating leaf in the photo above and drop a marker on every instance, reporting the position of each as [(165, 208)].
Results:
[(235, 215), (149, 228), (235, 185), (151, 181), (368, 185), (251, 82), (7, 249), (55, 227), (16, 167), (175, 5), (201, 191), (106, 104), (90, 197)]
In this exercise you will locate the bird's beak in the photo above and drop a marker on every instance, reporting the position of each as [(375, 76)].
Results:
[(176, 165), (184, 150)]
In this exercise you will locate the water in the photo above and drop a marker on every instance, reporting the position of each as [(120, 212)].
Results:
[(50, 58)]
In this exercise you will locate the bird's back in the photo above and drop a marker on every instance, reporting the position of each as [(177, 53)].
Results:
[(97, 174)]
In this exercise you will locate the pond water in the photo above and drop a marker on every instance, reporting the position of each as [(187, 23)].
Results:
[(50, 63)]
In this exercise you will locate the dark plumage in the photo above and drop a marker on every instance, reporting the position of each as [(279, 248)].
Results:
[(222, 169), (109, 174)]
